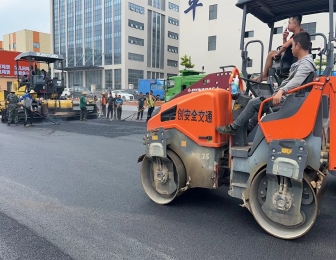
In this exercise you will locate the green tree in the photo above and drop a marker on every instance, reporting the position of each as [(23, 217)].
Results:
[(186, 62), (323, 64)]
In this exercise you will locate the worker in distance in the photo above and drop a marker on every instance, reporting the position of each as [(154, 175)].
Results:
[(298, 73)]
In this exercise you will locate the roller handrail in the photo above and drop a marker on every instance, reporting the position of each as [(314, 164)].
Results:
[(289, 92)]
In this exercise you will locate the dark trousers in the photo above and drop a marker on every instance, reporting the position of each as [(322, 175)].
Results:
[(119, 111), (109, 110), (28, 113), (115, 112), (250, 113), (149, 113), (83, 111), (140, 113)]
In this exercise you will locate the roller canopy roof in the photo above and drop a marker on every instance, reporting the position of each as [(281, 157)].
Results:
[(39, 56), (269, 11)]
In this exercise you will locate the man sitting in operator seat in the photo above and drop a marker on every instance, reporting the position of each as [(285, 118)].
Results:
[(298, 73), (294, 27)]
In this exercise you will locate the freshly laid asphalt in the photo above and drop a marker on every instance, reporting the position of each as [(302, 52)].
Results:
[(73, 191)]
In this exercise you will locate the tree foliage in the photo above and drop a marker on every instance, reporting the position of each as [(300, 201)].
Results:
[(323, 64), (186, 62)]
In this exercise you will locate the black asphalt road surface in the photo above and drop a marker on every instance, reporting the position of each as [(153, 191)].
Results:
[(73, 191)]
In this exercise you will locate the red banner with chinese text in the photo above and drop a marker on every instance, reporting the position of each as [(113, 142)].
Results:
[(8, 64)]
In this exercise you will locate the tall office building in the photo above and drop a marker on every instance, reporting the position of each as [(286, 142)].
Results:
[(114, 43)]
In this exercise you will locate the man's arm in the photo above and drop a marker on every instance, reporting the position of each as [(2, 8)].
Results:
[(300, 76), (22, 97), (285, 46)]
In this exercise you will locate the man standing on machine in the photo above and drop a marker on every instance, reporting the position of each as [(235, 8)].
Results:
[(294, 24), (12, 100), (298, 73), (28, 107)]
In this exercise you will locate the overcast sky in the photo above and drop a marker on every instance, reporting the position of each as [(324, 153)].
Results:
[(16, 15)]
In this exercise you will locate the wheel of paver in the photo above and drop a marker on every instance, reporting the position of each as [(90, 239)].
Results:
[(162, 180), (309, 209)]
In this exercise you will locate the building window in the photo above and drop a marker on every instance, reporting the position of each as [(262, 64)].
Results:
[(117, 78), (172, 49), (309, 28), (249, 63), (36, 45), (135, 25), (160, 4), (136, 41), (97, 32), (14, 46), (136, 8), (155, 41), (249, 34), (163, 5), (278, 30), (108, 79), (117, 33), (172, 63), (108, 32), (134, 76), (173, 21), (173, 35), (88, 37), (173, 7), (136, 57), (75, 78), (212, 43), (213, 12), (94, 77)]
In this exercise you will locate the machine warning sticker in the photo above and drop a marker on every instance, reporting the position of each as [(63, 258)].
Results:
[(195, 116), (286, 151)]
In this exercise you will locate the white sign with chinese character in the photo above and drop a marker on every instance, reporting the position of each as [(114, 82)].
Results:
[(4, 69), (21, 70)]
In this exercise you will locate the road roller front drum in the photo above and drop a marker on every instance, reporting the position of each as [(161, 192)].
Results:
[(163, 180)]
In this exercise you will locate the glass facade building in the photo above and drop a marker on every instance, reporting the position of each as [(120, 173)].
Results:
[(114, 43)]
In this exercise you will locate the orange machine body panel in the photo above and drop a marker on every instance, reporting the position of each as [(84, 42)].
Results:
[(332, 123), (197, 116), (300, 124)]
